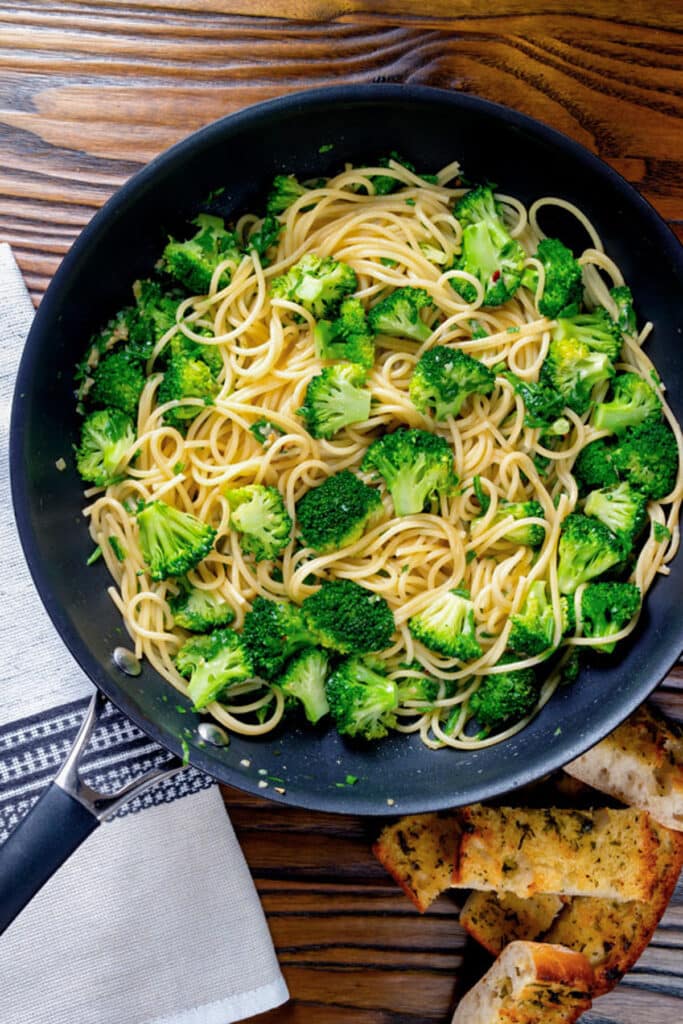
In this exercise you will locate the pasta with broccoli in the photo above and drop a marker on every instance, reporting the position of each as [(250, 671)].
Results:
[(387, 457)]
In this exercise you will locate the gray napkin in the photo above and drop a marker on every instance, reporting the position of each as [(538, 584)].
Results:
[(155, 920)]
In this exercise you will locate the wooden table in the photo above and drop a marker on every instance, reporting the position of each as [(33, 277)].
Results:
[(90, 90)]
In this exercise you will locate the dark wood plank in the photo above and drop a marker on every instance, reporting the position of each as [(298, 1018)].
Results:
[(92, 89)]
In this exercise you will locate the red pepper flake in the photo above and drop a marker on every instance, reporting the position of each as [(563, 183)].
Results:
[(495, 275)]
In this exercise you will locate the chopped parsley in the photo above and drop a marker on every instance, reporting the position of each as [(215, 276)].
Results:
[(350, 780), (481, 495), (115, 545), (97, 553)]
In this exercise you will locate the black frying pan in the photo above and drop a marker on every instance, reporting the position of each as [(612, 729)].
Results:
[(241, 154)]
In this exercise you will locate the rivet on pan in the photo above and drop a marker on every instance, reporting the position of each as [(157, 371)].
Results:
[(126, 661), (213, 734)]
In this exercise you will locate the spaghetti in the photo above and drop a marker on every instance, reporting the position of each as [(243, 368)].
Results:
[(407, 237)]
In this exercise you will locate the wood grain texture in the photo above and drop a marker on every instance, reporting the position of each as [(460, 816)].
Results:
[(89, 91), (663, 14), (92, 89)]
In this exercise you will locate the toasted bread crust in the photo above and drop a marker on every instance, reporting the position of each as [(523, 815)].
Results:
[(419, 853), (494, 920), (613, 935), (605, 853), (557, 965), (641, 764), (530, 983)]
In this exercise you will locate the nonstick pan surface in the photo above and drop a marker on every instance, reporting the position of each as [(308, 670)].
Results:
[(241, 154)]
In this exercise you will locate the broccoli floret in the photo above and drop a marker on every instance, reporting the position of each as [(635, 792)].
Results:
[(626, 316), (447, 625), (284, 191), (597, 330), (633, 401), (304, 679), (117, 383), (362, 701), (571, 666), (489, 253), (534, 625), (593, 467), (504, 697), (572, 369), (444, 377), (172, 542), (398, 315), (385, 183), (587, 549), (265, 432), (180, 346), (273, 631), (154, 316), (543, 406), (433, 254), (259, 514), (416, 466), (661, 533), (317, 283), (348, 618), (606, 608), (531, 533), (106, 436), (199, 610), (563, 288), (265, 237), (193, 262), (334, 399), (185, 378), (622, 509), (348, 337), (338, 512), (117, 329), (567, 615), (213, 663), (647, 456), (131, 331), (421, 689), (477, 329)]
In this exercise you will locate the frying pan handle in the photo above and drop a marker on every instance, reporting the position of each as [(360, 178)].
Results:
[(48, 835), (64, 816)]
